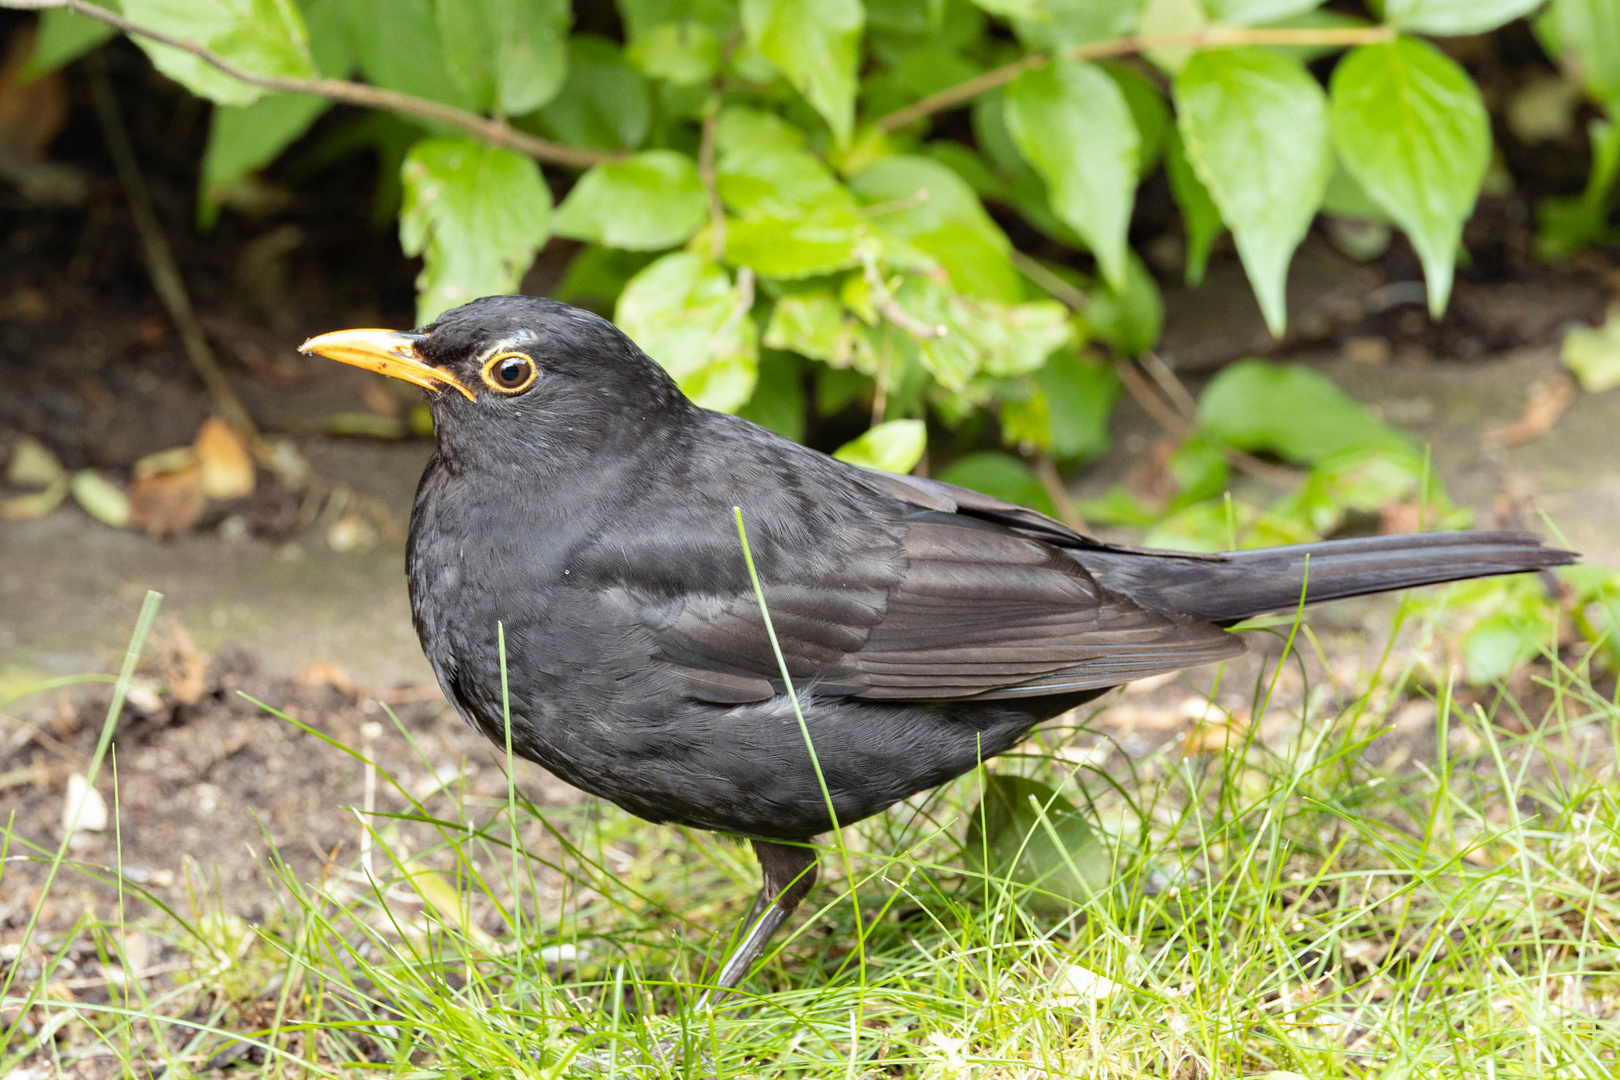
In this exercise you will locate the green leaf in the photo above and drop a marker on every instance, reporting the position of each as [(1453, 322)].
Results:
[(1498, 644), (1565, 224), (604, 103), (506, 55), (1025, 835), (934, 210), (763, 170), (1149, 113), (1002, 476), (63, 36), (685, 53), (817, 45), (262, 37), (895, 446), (643, 203), (1199, 214), (1016, 338), (1363, 480), (1347, 199), (1128, 321), (1061, 23), (476, 214), (778, 401), (1410, 127), (1255, 130), (813, 324), (1454, 16), (686, 313), (796, 247), (1253, 12), (1589, 31), (1071, 122), (597, 275), (1594, 355), (1080, 395), (1288, 410), (397, 45), (243, 139)]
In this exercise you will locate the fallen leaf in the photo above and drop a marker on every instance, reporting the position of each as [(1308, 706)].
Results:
[(168, 503), (1220, 732), (27, 303), (1594, 355), (32, 465), (443, 898), (351, 532), (100, 498), (175, 459), (379, 400), (287, 463), (1079, 985), (227, 468), (84, 809), (319, 673), (37, 505), (184, 668), (31, 116), (1548, 398)]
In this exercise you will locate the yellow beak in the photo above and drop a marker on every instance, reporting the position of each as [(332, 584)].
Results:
[(388, 352)]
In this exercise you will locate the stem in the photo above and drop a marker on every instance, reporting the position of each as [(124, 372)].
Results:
[(1212, 37), (161, 265), (494, 131)]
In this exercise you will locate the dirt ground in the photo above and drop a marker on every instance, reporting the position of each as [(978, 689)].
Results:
[(90, 366)]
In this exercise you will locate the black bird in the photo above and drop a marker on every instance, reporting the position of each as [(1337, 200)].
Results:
[(578, 499)]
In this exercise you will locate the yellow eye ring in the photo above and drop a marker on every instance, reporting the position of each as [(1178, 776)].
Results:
[(509, 372)]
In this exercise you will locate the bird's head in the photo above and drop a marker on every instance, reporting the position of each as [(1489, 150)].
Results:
[(516, 368)]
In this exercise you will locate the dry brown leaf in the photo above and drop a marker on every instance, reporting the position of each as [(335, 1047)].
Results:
[(168, 503), (37, 505), (318, 673), (32, 116), (227, 468), (27, 303), (1549, 397), (184, 668), (1221, 732)]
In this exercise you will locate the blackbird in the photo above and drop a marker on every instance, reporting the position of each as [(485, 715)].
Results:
[(580, 501)]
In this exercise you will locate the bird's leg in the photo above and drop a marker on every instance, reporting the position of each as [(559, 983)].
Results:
[(789, 874)]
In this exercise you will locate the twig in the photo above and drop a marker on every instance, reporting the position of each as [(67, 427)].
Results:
[(1173, 388), (160, 262), (494, 131), (711, 185), (1033, 269), (1213, 37), (1068, 513), (1151, 403), (890, 308)]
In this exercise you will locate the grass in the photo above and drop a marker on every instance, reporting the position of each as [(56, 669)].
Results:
[(1286, 904)]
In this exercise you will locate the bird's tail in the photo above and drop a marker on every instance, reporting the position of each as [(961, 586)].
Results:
[(1242, 584)]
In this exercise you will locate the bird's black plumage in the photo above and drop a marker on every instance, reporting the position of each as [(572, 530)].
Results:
[(925, 627)]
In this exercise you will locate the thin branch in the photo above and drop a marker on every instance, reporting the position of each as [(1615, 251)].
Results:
[(1037, 272), (711, 186), (1067, 511), (160, 261), (1213, 37), (493, 131), (890, 308), (1173, 388)]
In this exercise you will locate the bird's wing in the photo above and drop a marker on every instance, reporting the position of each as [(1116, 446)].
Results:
[(970, 609)]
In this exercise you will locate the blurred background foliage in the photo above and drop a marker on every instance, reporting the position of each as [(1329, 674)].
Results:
[(922, 209)]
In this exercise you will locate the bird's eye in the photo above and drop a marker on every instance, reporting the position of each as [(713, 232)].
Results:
[(510, 372)]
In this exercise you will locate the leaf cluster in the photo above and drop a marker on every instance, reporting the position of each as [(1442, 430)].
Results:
[(792, 193)]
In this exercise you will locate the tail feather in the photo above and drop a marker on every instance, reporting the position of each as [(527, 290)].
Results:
[(1242, 584)]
